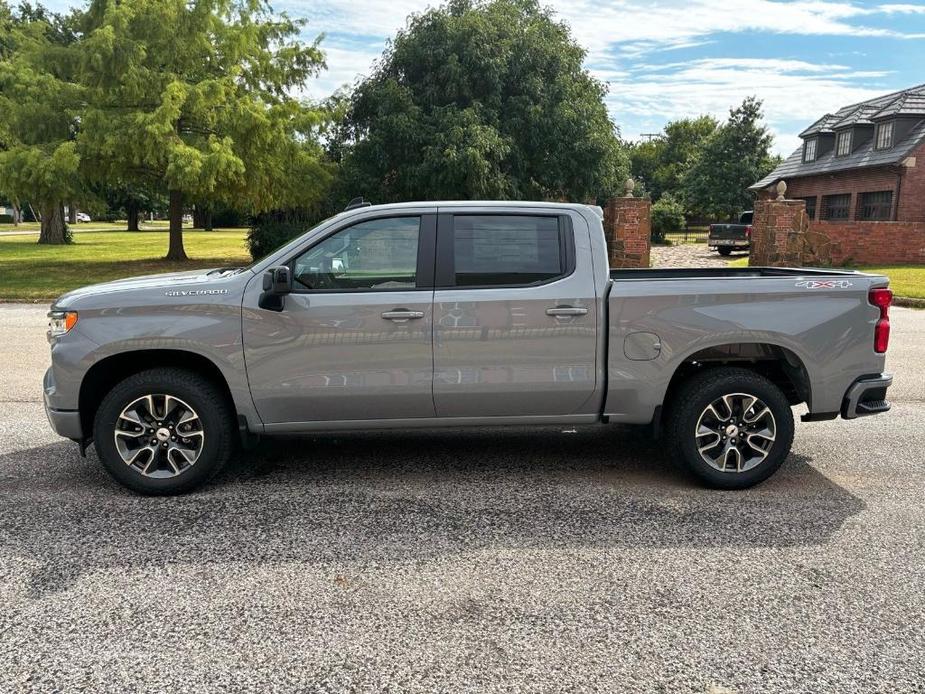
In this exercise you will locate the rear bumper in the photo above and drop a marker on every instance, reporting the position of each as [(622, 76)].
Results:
[(728, 243), (867, 396)]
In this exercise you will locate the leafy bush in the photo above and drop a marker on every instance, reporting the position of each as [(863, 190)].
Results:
[(270, 230), (6, 219), (667, 216)]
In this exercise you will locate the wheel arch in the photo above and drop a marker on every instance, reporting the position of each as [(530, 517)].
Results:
[(107, 372), (779, 364)]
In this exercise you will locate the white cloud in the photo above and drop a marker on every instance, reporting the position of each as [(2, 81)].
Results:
[(794, 92)]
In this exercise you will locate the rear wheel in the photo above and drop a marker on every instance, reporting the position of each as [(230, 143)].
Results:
[(724, 251), (731, 427), (164, 431)]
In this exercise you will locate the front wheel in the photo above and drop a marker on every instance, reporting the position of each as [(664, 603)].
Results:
[(731, 427), (164, 431)]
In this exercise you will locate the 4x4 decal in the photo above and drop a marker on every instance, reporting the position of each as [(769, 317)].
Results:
[(824, 284)]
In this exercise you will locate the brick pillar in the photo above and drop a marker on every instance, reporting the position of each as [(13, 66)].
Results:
[(778, 233), (627, 229)]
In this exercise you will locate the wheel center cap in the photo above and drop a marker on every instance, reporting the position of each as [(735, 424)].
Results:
[(162, 434), (731, 430)]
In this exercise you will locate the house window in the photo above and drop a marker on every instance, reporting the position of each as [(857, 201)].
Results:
[(885, 135), (810, 206), (876, 206), (843, 144), (836, 206), (809, 150)]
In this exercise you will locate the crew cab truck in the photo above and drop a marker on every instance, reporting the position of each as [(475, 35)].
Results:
[(460, 314), (726, 238)]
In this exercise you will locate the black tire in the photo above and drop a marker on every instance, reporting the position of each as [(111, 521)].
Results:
[(693, 399), (215, 417), (724, 251)]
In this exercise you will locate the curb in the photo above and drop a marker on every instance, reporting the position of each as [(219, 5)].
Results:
[(908, 302)]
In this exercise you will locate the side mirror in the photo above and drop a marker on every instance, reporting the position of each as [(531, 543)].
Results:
[(277, 282)]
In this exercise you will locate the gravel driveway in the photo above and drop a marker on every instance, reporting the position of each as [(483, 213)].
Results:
[(688, 255), (530, 560)]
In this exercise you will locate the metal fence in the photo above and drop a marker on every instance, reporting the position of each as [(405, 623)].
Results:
[(689, 235)]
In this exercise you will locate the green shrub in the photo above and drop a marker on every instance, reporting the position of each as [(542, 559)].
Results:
[(270, 230), (6, 219), (667, 216)]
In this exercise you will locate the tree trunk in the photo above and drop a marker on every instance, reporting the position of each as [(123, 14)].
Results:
[(207, 222), (132, 211), (53, 229), (176, 251), (17, 214), (71, 213)]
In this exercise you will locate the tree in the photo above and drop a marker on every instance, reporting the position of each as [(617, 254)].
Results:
[(39, 115), (481, 99), (197, 95), (662, 162), (732, 159), (667, 215)]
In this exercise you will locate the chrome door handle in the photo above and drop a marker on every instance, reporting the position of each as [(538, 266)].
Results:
[(566, 311), (401, 315)]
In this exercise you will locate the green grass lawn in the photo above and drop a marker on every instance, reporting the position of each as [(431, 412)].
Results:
[(905, 280), (33, 272)]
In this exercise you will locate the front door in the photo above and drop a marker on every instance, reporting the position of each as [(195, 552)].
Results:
[(354, 338), (515, 326)]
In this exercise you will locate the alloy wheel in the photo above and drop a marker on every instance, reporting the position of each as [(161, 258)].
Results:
[(159, 435), (735, 432)]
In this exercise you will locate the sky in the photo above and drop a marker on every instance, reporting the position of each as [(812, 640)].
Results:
[(673, 58)]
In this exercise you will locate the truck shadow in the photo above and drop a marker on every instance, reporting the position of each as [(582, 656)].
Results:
[(398, 497)]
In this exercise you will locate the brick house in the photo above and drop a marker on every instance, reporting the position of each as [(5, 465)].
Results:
[(863, 163)]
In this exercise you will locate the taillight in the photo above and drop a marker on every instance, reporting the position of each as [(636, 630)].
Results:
[(748, 231), (881, 298)]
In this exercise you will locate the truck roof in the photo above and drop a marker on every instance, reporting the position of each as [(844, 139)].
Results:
[(482, 203)]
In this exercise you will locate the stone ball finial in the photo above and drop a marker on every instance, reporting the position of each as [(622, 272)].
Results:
[(781, 190), (628, 187)]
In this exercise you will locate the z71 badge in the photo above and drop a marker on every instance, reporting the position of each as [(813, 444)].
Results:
[(824, 284)]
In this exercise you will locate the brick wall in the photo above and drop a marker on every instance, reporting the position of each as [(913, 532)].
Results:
[(627, 228), (783, 235), (873, 243), (906, 183)]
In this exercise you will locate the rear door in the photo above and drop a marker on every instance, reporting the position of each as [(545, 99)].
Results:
[(514, 320), (354, 338)]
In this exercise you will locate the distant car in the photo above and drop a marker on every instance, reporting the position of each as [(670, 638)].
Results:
[(83, 217), (726, 238)]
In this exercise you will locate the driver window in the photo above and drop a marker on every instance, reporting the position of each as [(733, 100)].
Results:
[(378, 254)]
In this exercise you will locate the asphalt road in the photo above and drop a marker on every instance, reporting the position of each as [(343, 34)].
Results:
[(466, 561)]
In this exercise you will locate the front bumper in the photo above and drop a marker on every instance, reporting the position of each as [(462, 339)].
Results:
[(867, 396), (64, 422)]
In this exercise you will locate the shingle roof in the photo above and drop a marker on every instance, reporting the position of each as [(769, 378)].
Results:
[(909, 102)]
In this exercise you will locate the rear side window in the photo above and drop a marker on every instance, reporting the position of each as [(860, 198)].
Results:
[(507, 250)]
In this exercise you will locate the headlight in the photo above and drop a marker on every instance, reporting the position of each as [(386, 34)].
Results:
[(60, 322)]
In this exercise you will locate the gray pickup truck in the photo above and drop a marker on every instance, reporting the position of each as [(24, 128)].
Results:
[(460, 314), (726, 238)]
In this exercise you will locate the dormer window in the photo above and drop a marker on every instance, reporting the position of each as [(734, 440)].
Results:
[(885, 135), (843, 144), (809, 150)]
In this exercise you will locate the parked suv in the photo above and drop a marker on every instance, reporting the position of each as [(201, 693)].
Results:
[(460, 313)]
